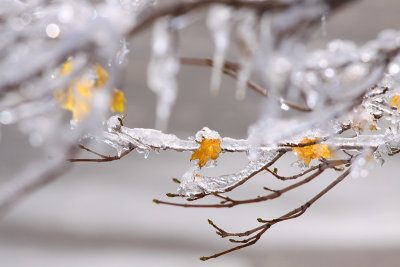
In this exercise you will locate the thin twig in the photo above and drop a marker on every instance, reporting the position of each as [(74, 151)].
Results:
[(182, 8), (231, 70), (103, 157), (229, 203), (283, 178), (290, 215)]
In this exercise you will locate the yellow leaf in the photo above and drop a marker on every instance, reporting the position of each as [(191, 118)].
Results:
[(77, 99), (79, 95), (118, 101), (395, 101), (66, 68), (80, 110), (102, 75), (209, 149), (316, 151), (84, 87)]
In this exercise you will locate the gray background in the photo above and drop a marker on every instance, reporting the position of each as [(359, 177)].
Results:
[(103, 215)]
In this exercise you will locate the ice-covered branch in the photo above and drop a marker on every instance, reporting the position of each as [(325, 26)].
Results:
[(57, 55)]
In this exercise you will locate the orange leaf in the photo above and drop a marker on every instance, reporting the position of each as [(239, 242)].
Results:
[(316, 151), (209, 149), (395, 101)]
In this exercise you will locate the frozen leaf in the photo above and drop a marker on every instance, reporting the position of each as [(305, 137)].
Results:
[(118, 101), (102, 75), (209, 149), (315, 151), (66, 68), (78, 97), (395, 101)]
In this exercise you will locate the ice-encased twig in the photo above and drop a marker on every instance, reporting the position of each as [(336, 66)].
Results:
[(150, 139), (145, 139), (193, 184), (124, 138)]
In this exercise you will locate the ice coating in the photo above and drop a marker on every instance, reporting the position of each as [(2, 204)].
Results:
[(150, 139), (126, 137), (188, 185), (193, 184), (157, 139), (330, 81), (341, 73), (338, 53), (361, 141), (206, 133), (144, 139)]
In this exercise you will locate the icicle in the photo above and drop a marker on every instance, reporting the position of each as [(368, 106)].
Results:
[(219, 23), (323, 25), (262, 60), (247, 41), (162, 70), (122, 52)]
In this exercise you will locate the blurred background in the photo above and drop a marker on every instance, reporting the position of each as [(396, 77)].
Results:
[(102, 214)]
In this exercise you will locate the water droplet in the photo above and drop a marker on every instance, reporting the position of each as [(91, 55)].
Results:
[(323, 63), (329, 73), (394, 68), (52, 30), (363, 173), (35, 139), (284, 106), (66, 14), (7, 117)]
